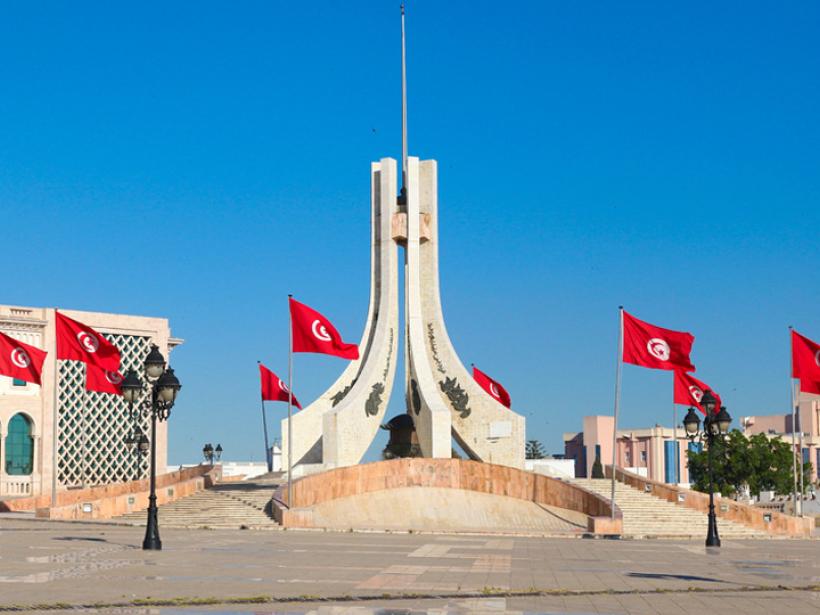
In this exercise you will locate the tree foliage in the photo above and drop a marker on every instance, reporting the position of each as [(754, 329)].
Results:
[(759, 463), (534, 450)]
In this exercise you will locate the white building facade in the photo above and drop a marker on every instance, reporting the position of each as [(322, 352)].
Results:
[(80, 439)]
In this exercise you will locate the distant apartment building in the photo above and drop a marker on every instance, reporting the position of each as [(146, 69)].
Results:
[(90, 428), (651, 451), (780, 426)]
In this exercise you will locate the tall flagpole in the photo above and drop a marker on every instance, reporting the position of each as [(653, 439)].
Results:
[(800, 449), (794, 427), (403, 110), (799, 410), (84, 443), (55, 418), (618, 363), (290, 405), (675, 433), (268, 456)]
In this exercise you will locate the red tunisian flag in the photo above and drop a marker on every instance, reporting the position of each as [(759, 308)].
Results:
[(650, 346), (809, 386), (102, 380), (19, 360), (493, 387), (79, 342), (312, 332), (273, 389), (689, 391), (805, 362)]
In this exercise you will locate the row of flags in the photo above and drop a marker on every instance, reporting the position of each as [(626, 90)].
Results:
[(644, 344), (648, 345), (313, 332), (654, 347), (75, 342)]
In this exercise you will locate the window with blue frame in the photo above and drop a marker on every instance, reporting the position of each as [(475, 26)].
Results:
[(19, 446), (18, 383)]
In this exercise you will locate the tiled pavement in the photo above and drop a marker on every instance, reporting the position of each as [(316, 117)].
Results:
[(85, 564)]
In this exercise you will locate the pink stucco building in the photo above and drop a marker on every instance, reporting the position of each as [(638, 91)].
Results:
[(651, 451), (647, 451), (780, 426)]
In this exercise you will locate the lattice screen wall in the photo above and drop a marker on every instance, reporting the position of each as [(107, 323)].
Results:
[(93, 426)]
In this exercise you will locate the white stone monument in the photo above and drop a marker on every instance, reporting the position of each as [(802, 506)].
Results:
[(442, 398)]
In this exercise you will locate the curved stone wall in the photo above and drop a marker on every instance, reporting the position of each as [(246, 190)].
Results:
[(449, 473)]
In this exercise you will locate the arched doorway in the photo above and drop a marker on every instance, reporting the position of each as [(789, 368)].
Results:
[(19, 446)]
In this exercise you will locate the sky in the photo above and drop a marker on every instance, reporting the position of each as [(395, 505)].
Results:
[(201, 160)]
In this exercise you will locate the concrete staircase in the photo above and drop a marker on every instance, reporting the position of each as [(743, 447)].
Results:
[(235, 505), (647, 516)]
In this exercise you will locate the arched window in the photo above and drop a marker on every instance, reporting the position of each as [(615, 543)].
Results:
[(19, 446)]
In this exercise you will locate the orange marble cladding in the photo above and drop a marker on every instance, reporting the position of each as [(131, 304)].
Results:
[(780, 524), (447, 473)]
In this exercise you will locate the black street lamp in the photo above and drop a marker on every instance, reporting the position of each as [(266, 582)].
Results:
[(714, 426), (212, 454), (163, 386)]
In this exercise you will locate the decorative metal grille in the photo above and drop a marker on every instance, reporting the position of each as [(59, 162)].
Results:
[(93, 426)]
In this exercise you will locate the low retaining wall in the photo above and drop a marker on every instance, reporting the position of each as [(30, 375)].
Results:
[(449, 473), (775, 523), (106, 501)]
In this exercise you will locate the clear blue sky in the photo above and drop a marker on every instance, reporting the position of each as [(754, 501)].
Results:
[(201, 160)]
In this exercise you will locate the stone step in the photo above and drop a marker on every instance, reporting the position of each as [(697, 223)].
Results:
[(226, 505), (648, 515)]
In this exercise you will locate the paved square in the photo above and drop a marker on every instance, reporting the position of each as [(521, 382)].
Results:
[(45, 564)]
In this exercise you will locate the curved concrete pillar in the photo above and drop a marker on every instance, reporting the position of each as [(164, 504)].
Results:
[(348, 428), (485, 429), (338, 427), (424, 403)]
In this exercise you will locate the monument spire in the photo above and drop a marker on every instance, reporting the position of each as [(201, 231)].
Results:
[(403, 194)]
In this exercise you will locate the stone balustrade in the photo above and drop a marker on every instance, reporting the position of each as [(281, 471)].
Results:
[(106, 501), (774, 523)]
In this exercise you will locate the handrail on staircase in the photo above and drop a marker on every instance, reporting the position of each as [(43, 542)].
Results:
[(773, 523)]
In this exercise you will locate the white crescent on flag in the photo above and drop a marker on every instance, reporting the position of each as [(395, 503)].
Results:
[(20, 358)]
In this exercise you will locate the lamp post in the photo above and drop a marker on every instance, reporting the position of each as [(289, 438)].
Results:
[(212, 454), (714, 426), (163, 386), (137, 442)]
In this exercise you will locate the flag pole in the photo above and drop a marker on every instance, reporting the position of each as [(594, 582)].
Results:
[(268, 457), (675, 435), (794, 436), (617, 401), (403, 111), (55, 418), (800, 447), (290, 405), (83, 422)]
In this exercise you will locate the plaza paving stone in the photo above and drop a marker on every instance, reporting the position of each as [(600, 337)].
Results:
[(76, 564)]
